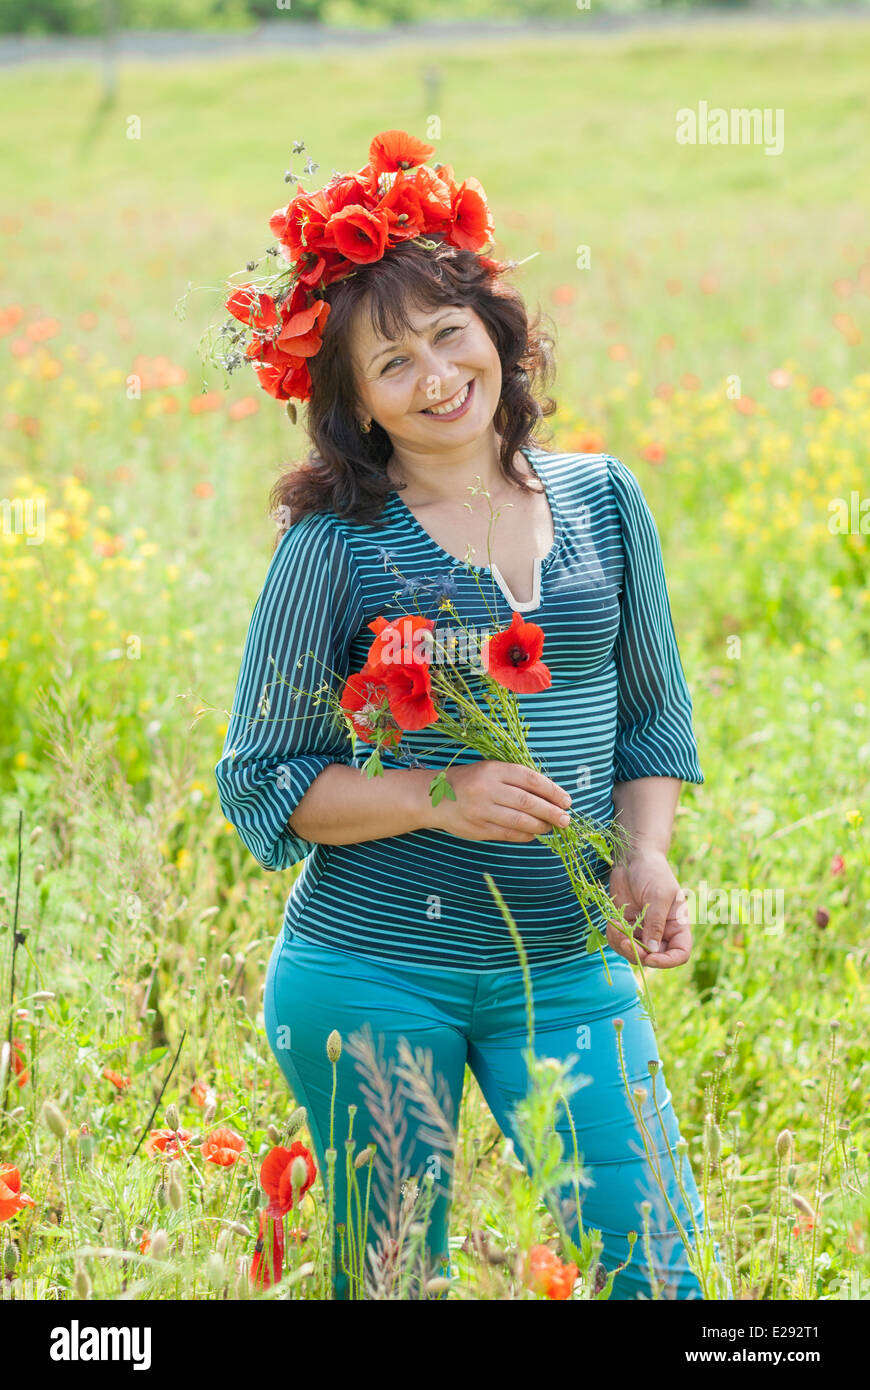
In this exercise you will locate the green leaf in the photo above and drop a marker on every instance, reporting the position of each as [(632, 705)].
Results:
[(149, 1059), (439, 787)]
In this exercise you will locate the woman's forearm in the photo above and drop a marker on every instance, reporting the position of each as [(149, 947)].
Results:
[(345, 807), (646, 808)]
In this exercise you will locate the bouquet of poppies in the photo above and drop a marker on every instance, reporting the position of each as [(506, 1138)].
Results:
[(402, 688)]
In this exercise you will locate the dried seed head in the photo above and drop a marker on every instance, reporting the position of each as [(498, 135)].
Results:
[(834, 1025), (784, 1144), (159, 1244), (438, 1285), (54, 1119), (653, 1066), (172, 1120), (333, 1045), (639, 1095), (296, 1121)]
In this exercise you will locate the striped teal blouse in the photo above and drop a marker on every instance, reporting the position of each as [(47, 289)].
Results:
[(618, 708)]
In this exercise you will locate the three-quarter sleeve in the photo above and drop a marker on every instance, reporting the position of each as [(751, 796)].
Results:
[(654, 736), (278, 738)]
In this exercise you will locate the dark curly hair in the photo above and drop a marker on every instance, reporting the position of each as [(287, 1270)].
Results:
[(346, 471)]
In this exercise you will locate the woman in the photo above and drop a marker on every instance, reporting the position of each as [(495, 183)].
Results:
[(421, 400)]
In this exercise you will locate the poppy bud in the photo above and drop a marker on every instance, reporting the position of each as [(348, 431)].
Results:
[(172, 1120), (296, 1121), (209, 1113), (81, 1283), (823, 916), (35, 834), (363, 1157), (791, 1175), (272, 1134), (225, 963), (619, 1024), (38, 874), (298, 1173), (221, 1242), (55, 1120), (712, 1138), (159, 1244), (175, 1191), (216, 1270), (333, 1045), (639, 1095), (784, 1144), (161, 1197), (10, 1257)]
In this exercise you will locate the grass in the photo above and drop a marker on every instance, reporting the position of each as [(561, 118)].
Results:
[(717, 344)]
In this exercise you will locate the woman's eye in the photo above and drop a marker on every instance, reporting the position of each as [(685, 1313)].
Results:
[(451, 328)]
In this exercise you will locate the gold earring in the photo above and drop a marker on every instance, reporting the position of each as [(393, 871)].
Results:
[(365, 426)]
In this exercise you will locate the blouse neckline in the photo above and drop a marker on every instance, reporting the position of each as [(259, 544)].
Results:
[(540, 562)]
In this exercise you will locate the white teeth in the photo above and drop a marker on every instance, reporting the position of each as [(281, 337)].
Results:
[(447, 407)]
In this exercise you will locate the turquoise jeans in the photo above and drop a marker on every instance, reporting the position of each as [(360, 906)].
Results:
[(405, 1017)]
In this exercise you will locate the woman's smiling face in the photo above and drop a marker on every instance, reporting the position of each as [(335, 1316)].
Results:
[(448, 359)]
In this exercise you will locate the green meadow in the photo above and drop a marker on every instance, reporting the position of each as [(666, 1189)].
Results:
[(710, 310)]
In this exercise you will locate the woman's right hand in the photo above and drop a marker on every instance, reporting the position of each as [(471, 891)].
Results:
[(498, 801)]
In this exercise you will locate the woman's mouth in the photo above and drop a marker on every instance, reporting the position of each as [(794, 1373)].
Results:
[(454, 407)]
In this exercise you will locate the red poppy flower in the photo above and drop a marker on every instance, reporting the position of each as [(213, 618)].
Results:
[(268, 1262), (300, 336), (395, 149), (545, 1273), (116, 1078), (145, 1243), (401, 642), (838, 864), (201, 1094), (434, 196), (223, 1147), (12, 1199), (409, 689), (401, 203), (472, 226), (252, 307), (513, 657), (165, 1141), (275, 1177), (17, 1061), (366, 700), (359, 233)]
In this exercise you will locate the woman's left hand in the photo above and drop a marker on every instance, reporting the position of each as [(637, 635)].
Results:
[(664, 938)]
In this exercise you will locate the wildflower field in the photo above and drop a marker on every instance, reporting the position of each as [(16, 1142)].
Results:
[(714, 335)]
